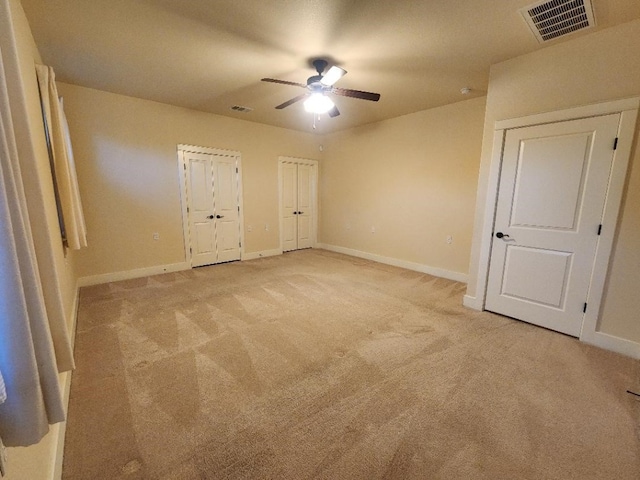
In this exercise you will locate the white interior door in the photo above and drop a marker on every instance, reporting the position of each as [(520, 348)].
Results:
[(202, 231), (227, 210), (305, 206), (213, 211), (551, 196), (289, 206)]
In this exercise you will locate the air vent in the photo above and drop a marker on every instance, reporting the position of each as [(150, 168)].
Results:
[(240, 108), (556, 18)]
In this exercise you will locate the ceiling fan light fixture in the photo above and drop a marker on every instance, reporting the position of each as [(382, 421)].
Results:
[(318, 103), (333, 75), (319, 86)]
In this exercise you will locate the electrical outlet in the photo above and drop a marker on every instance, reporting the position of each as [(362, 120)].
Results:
[(373, 229), (156, 236), (449, 239), (249, 228), (266, 227)]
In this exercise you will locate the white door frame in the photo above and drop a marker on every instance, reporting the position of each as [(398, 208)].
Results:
[(314, 196), (182, 167), (628, 108)]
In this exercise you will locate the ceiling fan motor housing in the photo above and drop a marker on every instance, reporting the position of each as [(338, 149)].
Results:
[(320, 65)]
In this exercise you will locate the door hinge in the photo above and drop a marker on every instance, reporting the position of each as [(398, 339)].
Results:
[(599, 229), (184, 165), (190, 250), (237, 167), (584, 308), (615, 144), (187, 209)]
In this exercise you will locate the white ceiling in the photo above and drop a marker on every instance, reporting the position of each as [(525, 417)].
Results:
[(210, 55)]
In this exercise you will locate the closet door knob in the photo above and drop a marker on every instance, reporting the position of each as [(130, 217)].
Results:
[(300, 213), (210, 217), (502, 235), (219, 216)]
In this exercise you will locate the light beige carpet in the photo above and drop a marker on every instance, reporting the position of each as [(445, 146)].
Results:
[(319, 365)]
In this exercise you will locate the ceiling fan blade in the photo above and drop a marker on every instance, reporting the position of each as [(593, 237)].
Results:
[(346, 92), (333, 75), (283, 82), (292, 101), (334, 112)]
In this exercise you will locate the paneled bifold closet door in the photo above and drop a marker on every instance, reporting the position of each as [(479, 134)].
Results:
[(213, 206), (297, 203)]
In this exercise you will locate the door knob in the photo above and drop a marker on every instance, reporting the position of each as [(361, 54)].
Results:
[(501, 235), (300, 213), (219, 216), (210, 217)]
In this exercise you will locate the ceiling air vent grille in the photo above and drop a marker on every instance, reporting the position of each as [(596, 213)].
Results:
[(556, 18), (240, 108)]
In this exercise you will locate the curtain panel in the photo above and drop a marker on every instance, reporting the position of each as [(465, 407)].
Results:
[(27, 359), (3, 397), (3, 391), (62, 162)]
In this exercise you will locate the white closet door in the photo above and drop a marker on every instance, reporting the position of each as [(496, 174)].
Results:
[(297, 203), (213, 208), (200, 194), (289, 199), (305, 206), (553, 187), (227, 212)]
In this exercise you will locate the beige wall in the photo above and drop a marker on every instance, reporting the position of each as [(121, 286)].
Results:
[(590, 69), (125, 151), (413, 178)]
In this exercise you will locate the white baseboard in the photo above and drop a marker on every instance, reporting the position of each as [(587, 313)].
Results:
[(613, 343), (129, 274), (62, 429), (66, 391), (262, 254), (597, 339), (159, 269), (472, 302), (72, 323), (417, 267)]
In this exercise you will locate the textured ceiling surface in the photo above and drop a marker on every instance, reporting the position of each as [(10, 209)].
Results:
[(210, 55)]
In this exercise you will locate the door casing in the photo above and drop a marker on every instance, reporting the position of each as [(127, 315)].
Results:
[(628, 108)]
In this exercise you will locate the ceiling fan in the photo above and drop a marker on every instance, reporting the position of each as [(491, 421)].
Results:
[(319, 86)]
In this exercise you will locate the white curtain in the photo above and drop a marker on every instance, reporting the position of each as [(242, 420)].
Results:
[(3, 391), (63, 167), (3, 397), (27, 359)]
